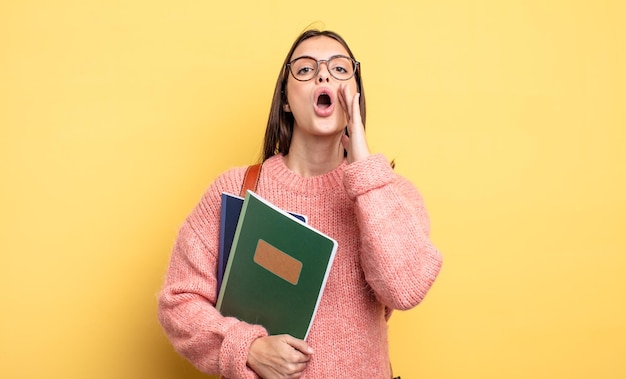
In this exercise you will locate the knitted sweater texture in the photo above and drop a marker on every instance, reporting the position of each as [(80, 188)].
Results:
[(384, 261)]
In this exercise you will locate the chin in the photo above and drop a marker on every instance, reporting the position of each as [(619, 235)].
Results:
[(326, 126), (329, 130), (330, 125)]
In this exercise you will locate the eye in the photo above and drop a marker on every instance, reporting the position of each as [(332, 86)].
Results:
[(304, 70), (341, 66), (304, 67), (340, 69)]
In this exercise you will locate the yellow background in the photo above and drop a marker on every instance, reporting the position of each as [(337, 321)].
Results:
[(508, 115)]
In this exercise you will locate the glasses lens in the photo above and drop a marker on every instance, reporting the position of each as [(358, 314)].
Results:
[(304, 68), (341, 68)]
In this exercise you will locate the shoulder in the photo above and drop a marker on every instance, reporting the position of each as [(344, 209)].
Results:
[(209, 205), (228, 181)]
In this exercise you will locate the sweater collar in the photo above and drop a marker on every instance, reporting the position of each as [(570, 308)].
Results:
[(280, 173)]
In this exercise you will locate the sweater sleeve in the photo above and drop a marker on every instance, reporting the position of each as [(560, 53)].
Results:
[(399, 261), (186, 303)]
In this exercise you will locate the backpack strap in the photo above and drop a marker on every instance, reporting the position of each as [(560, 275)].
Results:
[(251, 179)]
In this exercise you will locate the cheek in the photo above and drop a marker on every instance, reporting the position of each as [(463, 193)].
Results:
[(295, 94)]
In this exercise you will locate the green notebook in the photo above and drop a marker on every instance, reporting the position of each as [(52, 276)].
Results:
[(276, 270)]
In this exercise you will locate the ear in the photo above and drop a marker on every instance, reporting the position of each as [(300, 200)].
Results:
[(286, 108)]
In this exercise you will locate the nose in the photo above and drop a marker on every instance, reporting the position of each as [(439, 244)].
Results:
[(323, 79), (323, 75)]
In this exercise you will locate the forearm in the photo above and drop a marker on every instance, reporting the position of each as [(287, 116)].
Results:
[(214, 344), (399, 261)]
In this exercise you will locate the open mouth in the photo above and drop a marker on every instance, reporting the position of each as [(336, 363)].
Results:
[(323, 101)]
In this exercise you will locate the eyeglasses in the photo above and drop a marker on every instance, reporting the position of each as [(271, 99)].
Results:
[(340, 67)]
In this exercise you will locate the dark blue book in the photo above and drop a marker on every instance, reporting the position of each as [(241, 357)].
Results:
[(231, 209)]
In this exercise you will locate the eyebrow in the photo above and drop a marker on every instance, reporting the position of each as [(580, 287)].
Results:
[(332, 56)]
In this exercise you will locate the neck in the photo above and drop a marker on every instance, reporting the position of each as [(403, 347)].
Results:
[(313, 159)]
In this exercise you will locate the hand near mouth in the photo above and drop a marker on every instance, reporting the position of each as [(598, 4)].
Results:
[(356, 144)]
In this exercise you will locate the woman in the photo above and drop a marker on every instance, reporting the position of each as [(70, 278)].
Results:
[(316, 162)]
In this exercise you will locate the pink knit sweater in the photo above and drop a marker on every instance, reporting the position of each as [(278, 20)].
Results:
[(384, 261)]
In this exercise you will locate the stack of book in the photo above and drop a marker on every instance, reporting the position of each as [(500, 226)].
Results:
[(272, 266)]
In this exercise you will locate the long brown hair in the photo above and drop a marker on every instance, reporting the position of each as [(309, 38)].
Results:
[(280, 123)]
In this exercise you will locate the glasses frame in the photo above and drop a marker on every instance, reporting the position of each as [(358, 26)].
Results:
[(355, 67)]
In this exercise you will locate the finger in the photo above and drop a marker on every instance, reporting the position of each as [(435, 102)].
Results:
[(348, 98), (295, 368), (299, 345), (342, 101), (356, 109)]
